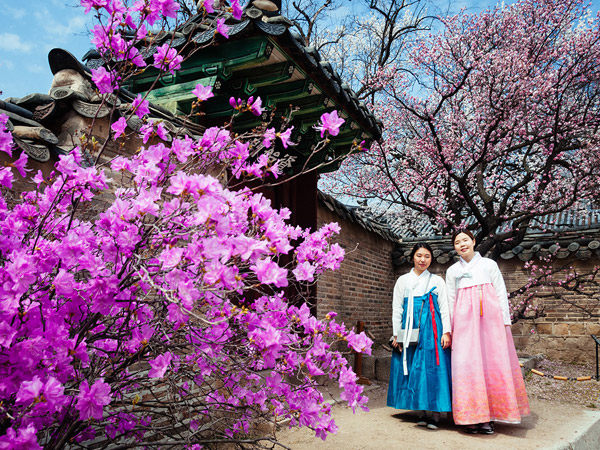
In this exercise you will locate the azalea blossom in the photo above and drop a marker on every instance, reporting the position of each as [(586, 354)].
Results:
[(159, 365), (140, 106), (167, 58), (330, 123), (104, 80), (221, 28), (147, 274), (255, 106), (91, 401), (118, 127), (203, 92)]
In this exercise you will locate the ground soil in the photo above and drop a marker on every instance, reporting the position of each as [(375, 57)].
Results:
[(559, 411)]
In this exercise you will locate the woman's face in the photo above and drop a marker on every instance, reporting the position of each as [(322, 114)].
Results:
[(422, 260), (464, 246)]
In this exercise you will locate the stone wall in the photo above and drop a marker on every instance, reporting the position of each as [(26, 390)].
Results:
[(361, 290), (563, 332)]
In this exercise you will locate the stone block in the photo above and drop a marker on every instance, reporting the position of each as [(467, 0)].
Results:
[(517, 328), (544, 328), (382, 368), (576, 329), (560, 329), (593, 328)]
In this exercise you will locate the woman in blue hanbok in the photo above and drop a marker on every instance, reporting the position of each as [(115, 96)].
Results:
[(420, 374)]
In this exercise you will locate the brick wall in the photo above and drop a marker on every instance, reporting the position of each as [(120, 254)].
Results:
[(563, 332), (362, 288)]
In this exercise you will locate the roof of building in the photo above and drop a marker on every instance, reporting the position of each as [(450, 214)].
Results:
[(38, 122), (571, 233), (262, 57), (359, 216)]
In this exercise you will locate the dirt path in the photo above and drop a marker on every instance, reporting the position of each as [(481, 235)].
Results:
[(550, 426)]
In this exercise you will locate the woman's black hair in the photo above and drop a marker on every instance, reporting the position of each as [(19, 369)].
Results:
[(419, 245), (462, 230)]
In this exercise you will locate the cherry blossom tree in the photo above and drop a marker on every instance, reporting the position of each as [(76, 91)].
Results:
[(160, 321), (359, 38), (492, 123)]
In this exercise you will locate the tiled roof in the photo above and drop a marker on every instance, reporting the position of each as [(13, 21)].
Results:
[(280, 69), (571, 233), (358, 216), (37, 121)]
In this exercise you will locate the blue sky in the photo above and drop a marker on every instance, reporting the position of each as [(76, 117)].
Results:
[(29, 29)]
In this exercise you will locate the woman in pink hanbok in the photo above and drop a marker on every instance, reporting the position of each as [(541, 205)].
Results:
[(487, 384)]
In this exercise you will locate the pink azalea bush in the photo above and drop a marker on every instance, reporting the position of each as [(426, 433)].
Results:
[(161, 318)]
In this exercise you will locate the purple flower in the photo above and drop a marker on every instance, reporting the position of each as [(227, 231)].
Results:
[(150, 14), (140, 106), (146, 130), (30, 390), (255, 106), (203, 92), (159, 365), (119, 127), (166, 57), (49, 393), (304, 272), (96, 4), (90, 401), (7, 334), (360, 343), (20, 163), (135, 57), (104, 80), (236, 104), (24, 439), (330, 123), (208, 6), (268, 137), (169, 8), (182, 148), (222, 29), (6, 177), (268, 272), (285, 137), (161, 131), (236, 9)]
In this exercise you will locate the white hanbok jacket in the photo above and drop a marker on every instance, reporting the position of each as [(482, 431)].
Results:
[(410, 285), (478, 271)]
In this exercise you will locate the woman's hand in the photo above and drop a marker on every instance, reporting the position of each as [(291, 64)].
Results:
[(396, 345), (446, 340)]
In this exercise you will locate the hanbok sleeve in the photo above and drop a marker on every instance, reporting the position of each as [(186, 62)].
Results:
[(398, 306), (443, 302), (450, 291), (500, 288)]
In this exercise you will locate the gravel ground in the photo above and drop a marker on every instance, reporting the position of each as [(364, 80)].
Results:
[(581, 393)]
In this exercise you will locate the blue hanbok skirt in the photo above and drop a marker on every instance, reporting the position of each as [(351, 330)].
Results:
[(427, 386)]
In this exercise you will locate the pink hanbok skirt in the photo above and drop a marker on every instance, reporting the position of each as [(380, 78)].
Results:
[(487, 384)]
